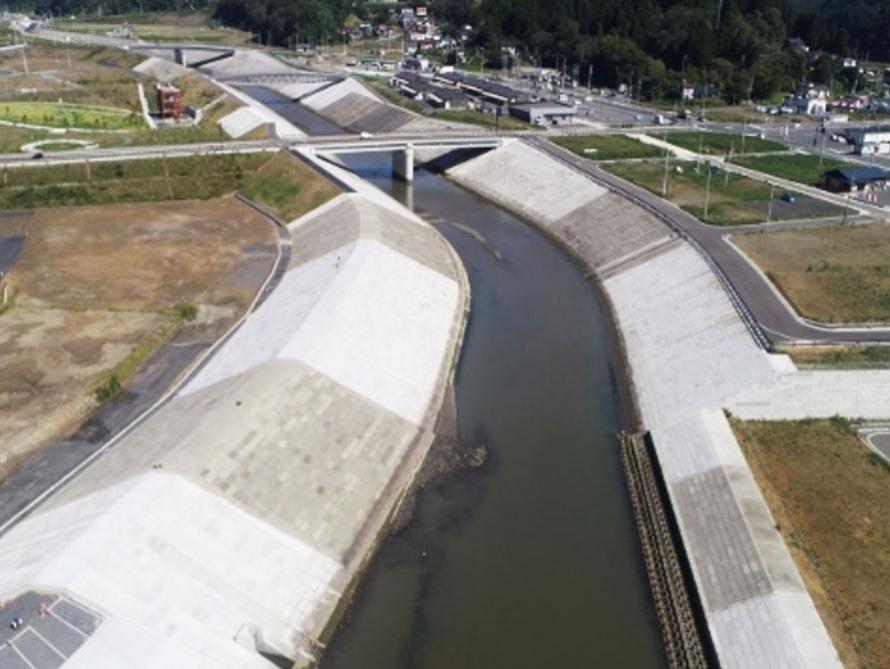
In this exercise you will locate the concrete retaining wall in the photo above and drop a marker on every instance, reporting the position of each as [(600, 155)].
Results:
[(246, 504), (690, 356)]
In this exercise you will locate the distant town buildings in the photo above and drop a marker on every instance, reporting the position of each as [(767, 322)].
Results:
[(490, 91), (543, 113), (869, 141), (423, 89)]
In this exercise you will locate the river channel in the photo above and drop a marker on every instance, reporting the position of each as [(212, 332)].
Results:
[(531, 561)]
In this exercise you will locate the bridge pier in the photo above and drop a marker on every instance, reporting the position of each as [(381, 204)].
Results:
[(180, 57), (403, 163)]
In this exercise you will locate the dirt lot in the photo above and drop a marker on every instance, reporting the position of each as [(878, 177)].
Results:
[(73, 74), (836, 274), (96, 286), (828, 494)]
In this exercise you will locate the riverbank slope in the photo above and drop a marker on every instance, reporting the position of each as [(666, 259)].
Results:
[(690, 356), (223, 530)]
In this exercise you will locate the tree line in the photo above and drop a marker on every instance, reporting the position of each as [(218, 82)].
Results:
[(651, 45)]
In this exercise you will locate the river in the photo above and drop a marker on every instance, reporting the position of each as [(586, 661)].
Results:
[(532, 561)]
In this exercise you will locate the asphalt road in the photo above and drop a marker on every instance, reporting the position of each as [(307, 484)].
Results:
[(138, 152), (754, 297), (10, 247)]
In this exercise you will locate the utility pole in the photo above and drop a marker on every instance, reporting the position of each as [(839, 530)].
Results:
[(590, 76), (769, 211), (24, 57), (701, 139), (664, 180), (707, 193)]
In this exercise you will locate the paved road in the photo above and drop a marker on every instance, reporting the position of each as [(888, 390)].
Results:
[(137, 152), (755, 297), (10, 247), (878, 440)]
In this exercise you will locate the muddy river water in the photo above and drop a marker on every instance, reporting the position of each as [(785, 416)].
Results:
[(533, 560)]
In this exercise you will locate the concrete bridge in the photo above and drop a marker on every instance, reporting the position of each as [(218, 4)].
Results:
[(187, 55), (402, 148), (282, 78)]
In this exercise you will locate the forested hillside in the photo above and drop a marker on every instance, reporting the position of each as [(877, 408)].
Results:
[(651, 44)]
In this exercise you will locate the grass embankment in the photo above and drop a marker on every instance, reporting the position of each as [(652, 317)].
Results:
[(715, 143), (608, 147), (839, 357), (115, 379), (279, 182), (828, 494), (287, 187), (196, 90), (734, 199), (836, 274), (65, 115), (805, 169), (153, 180)]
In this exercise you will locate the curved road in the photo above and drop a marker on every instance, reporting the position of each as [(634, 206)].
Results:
[(767, 315)]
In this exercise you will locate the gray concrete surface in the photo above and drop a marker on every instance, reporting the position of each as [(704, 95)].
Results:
[(689, 354), (48, 630), (253, 495)]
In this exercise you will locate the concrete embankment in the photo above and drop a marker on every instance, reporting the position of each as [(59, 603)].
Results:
[(223, 530), (690, 356), (356, 108)]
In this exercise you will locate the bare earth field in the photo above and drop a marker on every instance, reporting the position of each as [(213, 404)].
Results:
[(836, 274), (73, 74), (95, 290), (828, 494)]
